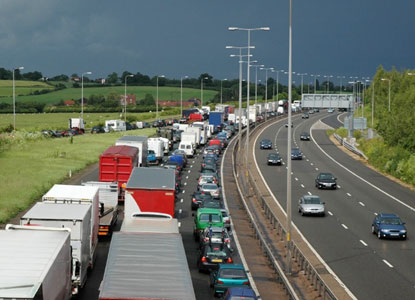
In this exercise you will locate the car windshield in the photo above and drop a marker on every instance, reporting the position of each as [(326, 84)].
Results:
[(326, 176), (232, 274), (391, 221), (214, 218), (211, 204), (266, 141), (273, 156), (210, 186), (312, 200)]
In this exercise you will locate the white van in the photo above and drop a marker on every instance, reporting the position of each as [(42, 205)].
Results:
[(187, 147)]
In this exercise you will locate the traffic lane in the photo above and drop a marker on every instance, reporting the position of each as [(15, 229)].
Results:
[(321, 231), (332, 120)]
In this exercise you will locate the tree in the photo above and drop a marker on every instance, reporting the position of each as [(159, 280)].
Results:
[(35, 76), (207, 79), (5, 74), (148, 100), (112, 78), (61, 77)]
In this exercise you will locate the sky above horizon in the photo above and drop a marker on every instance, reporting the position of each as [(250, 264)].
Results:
[(188, 37)]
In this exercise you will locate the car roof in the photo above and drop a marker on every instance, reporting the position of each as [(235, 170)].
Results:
[(208, 211), (238, 291), (231, 266), (383, 215), (311, 196)]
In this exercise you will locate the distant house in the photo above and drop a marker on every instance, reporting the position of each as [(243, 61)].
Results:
[(69, 102), (75, 79), (130, 99), (100, 80)]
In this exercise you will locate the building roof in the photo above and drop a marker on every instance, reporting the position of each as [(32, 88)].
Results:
[(152, 178), (121, 151)]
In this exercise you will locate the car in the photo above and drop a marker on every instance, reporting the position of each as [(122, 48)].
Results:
[(296, 154), (206, 217), (224, 141), (206, 178), (211, 149), (330, 110), (216, 235), (238, 293), (311, 111), (326, 181), (226, 218), (182, 154), (305, 116), (311, 205), (198, 197), (286, 125), (389, 226), (265, 144), (316, 109), (274, 159), (207, 166), (211, 188), (227, 276), (211, 255), (209, 160), (98, 129), (304, 136), (173, 164), (212, 156)]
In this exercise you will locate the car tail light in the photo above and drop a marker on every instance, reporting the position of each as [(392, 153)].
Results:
[(246, 283), (203, 259), (229, 260), (194, 199), (206, 239), (227, 240), (203, 165), (228, 221), (219, 281)]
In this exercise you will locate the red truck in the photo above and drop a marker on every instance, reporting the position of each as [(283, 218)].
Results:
[(116, 165), (150, 190), (195, 118)]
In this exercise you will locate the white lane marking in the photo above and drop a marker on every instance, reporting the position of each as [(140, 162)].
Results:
[(309, 193), (187, 177), (316, 169), (387, 263), (181, 200), (312, 164), (339, 186), (362, 204), (283, 163), (364, 244), (191, 166), (292, 173), (330, 213), (188, 171), (375, 214), (302, 185), (296, 179), (359, 177), (183, 191), (179, 224), (344, 226), (180, 211), (286, 168), (185, 183), (307, 159), (348, 194)]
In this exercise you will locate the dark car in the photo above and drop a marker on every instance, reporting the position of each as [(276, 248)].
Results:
[(316, 110), (265, 144), (50, 133), (305, 116), (128, 126), (228, 276), (211, 203), (286, 125), (198, 198), (97, 129), (274, 159), (326, 181), (389, 226), (173, 164), (304, 136), (209, 161), (211, 255), (296, 154), (209, 166), (224, 141), (238, 293)]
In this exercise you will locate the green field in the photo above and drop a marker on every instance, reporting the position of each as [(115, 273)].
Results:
[(29, 168), (165, 93), (22, 87)]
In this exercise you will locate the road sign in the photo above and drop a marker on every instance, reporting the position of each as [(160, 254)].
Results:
[(358, 123), (327, 100)]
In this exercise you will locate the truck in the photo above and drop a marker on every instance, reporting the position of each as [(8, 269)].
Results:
[(78, 194), (76, 217), (280, 110), (116, 164), (35, 263), (198, 131), (150, 190), (165, 132), (108, 206), (252, 112), (157, 146), (216, 119), (167, 144), (195, 117), (138, 141), (206, 109), (204, 131), (77, 124), (189, 136), (224, 108), (115, 125), (187, 112), (133, 269)]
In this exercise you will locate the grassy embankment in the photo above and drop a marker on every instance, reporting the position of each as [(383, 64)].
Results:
[(31, 165), (22, 87)]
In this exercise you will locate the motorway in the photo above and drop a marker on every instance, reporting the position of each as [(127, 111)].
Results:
[(370, 268)]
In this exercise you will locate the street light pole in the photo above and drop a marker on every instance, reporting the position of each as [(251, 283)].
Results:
[(157, 97), (256, 81), (201, 90), (181, 96), (125, 97), (389, 94), (341, 82), (278, 84), (82, 93), (266, 88), (14, 99), (302, 77), (315, 81), (221, 96)]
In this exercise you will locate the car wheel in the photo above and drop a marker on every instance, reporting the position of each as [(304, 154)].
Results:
[(302, 213), (373, 229), (379, 235)]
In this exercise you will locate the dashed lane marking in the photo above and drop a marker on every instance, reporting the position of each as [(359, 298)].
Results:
[(302, 185), (364, 244), (181, 200), (345, 227), (362, 204), (330, 213), (348, 194), (387, 263)]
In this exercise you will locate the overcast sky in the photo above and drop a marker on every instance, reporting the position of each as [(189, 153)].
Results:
[(188, 37)]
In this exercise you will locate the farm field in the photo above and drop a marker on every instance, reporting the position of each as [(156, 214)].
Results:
[(29, 168), (165, 93), (22, 87)]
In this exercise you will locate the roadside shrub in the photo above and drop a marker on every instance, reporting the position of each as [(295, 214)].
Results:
[(357, 134)]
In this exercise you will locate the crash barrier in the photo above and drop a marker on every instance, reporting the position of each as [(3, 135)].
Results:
[(297, 255), (349, 146)]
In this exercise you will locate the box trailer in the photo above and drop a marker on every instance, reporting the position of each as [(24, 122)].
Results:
[(116, 165), (157, 146), (204, 131), (216, 119), (150, 190), (138, 141), (146, 265), (115, 125), (197, 131), (189, 136), (76, 217), (108, 206), (77, 123), (35, 263), (78, 194)]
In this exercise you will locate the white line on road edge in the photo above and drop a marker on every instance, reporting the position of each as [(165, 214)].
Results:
[(349, 292), (387, 263), (348, 194), (362, 204), (364, 244), (330, 213), (307, 159), (344, 226), (357, 176)]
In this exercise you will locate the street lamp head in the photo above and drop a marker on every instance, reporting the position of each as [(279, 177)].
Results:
[(232, 28), (20, 68), (130, 75), (225, 79), (265, 28), (88, 73), (161, 76)]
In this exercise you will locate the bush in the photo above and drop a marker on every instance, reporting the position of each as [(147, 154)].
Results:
[(357, 134)]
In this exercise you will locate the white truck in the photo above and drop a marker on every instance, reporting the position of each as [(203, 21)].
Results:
[(35, 263), (280, 110), (76, 217), (78, 123), (108, 206), (204, 133), (183, 126), (138, 141), (191, 137), (78, 194), (115, 125), (188, 147), (252, 114), (166, 144), (157, 146), (198, 132), (206, 109)]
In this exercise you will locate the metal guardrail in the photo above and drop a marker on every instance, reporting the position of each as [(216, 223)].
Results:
[(299, 258), (349, 146)]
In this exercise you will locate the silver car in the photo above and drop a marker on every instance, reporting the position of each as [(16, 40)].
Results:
[(211, 188), (311, 205), (216, 235)]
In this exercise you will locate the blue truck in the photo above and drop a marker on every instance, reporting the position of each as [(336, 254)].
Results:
[(216, 119)]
